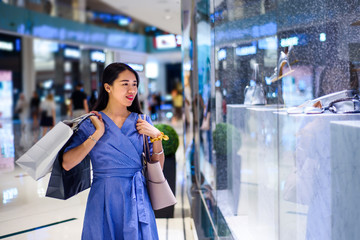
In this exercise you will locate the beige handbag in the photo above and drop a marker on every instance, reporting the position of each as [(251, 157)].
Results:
[(159, 190)]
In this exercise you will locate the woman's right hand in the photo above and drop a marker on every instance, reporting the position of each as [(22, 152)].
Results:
[(74, 156), (98, 124)]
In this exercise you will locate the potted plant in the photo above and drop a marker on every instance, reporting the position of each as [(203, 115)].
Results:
[(224, 136), (169, 170)]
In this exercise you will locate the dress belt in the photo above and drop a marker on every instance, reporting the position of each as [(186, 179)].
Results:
[(137, 188)]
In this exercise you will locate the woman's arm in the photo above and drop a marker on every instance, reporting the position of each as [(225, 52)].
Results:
[(144, 127), (158, 153), (74, 156)]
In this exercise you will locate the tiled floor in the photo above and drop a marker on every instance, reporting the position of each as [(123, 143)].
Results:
[(25, 212)]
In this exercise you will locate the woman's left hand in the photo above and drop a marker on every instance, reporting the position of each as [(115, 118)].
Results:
[(146, 128)]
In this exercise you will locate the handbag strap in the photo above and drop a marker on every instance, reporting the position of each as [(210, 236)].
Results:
[(146, 148), (76, 122)]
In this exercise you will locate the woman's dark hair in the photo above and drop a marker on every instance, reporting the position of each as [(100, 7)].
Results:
[(110, 74)]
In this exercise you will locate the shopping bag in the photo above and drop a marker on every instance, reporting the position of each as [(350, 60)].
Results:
[(65, 184), (39, 159), (160, 193)]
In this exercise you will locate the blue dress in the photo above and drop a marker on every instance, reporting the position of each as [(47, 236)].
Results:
[(118, 205)]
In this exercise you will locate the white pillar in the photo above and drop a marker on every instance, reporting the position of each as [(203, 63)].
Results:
[(79, 13), (109, 57), (85, 70), (28, 73)]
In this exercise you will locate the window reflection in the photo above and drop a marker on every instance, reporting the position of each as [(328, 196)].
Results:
[(279, 173)]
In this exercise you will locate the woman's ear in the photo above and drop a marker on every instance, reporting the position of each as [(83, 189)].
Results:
[(107, 87)]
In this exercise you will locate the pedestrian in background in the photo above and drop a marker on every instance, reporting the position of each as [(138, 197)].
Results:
[(35, 109), (79, 104), (48, 113), (22, 109), (177, 104)]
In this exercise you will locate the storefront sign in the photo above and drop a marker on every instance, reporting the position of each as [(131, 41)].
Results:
[(244, 51), (45, 47), (165, 41), (6, 46), (291, 41), (268, 43), (72, 53), (298, 39), (97, 56), (236, 31)]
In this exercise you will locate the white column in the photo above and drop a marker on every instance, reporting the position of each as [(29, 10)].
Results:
[(79, 13), (85, 70), (109, 57), (28, 73)]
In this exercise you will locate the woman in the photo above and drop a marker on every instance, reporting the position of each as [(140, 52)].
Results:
[(118, 205), (48, 113), (21, 108), (34, 108)]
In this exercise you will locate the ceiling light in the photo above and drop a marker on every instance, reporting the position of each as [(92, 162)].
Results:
[(167, 17)]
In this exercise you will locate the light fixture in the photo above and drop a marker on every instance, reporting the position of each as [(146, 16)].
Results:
[(322, 37)]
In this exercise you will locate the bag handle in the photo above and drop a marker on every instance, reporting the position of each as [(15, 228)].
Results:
[(146, 148), (75, 123)]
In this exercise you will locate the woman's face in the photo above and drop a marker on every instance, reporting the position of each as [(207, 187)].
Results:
[(124, 89)]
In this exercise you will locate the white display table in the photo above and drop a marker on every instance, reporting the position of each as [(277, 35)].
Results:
[(345, 178), (275, 145)]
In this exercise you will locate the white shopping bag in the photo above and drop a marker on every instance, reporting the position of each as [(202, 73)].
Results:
[(39, 159)]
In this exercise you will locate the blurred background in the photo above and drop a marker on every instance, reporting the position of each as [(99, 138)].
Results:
[(263, 96)]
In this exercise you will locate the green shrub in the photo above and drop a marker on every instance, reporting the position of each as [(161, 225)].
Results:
[(223, 136), (172, 144)]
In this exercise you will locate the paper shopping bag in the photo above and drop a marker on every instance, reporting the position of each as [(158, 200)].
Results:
[(39, 159), (65, 184)]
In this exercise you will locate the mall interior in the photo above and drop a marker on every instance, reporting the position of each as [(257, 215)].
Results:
[(262, 97)]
